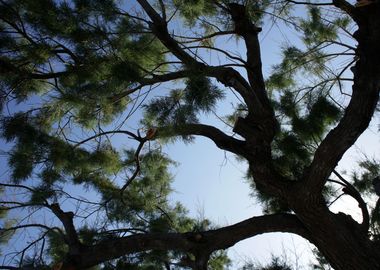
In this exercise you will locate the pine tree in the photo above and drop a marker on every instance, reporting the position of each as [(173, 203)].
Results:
[(75, 75)]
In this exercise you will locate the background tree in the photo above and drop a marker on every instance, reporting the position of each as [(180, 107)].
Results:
[(79, 70)]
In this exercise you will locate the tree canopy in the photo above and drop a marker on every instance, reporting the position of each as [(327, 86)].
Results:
[(78, 77)]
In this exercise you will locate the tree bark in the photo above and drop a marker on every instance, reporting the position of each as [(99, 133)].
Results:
[(340, 239), (199, 244), (343, 241)]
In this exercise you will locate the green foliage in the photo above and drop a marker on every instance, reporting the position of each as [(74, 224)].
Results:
[(362, 179), (89, 236), (310, 61), (321, 114), (219, 260), (3, 210), (42, 193), (270, 204), (34, 147), (191, 10), (170, 109), (294, 144), (316, 29), (6, 231), (295, 61), (57, 246), (182, 106), (91, 71), (275, 264), (200, 94), (369, 169), (293, 147), (292, 155), (145, 194), (257, 9)]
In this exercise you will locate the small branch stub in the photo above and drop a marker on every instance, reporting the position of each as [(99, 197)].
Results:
[(362, 3), (150, 133)]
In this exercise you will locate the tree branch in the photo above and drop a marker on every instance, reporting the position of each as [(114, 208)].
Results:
[(66, 218), (308, 3), (159, 28), (31, 225), (7, 67), (222, 140), (358, 114), (346, 7), (126, 132), (341, 4), (245, 28), (259, 117), (193, 242), (354, 193)]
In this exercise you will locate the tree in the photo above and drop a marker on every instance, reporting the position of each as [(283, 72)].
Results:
[(80, 69), (275, 264)]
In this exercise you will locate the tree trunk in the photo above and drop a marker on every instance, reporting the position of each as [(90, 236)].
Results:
[(344, 242)]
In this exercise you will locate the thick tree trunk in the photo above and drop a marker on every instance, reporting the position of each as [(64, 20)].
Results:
[(344, 242), (339, 238), (344, 251)]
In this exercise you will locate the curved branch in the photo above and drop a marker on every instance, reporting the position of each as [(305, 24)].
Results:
[(134, 136), (137, 170), (207, 241), (31, 225), (226, 53), (346, 7), (17, 186), (341, 4), (202, 38), (222, 140), (308, 3), (154, 80), (354, 193), (72, 238)]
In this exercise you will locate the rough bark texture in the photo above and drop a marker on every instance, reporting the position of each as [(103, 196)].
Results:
[(341, 239)]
